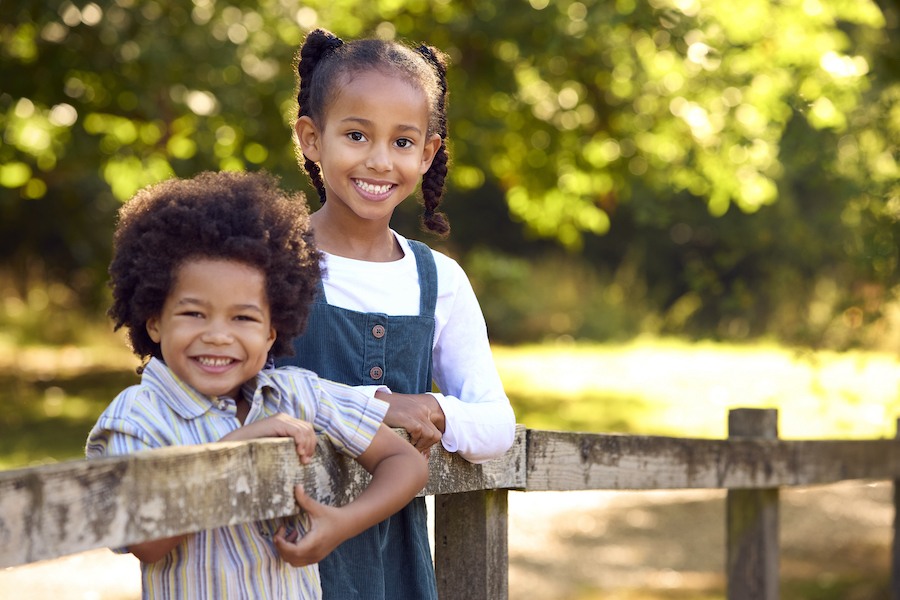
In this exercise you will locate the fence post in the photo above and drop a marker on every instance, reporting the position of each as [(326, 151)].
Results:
[(471, 545), (752, 520), (895, 558)]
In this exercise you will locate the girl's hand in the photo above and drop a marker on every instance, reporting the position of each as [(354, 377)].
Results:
[(418, 414), (279, 425), (326, 531)]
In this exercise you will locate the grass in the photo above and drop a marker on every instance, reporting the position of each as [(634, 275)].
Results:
[(52, 395), (670, 387)]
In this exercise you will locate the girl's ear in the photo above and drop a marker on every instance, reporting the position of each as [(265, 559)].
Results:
[(153, 329), (432, 145), (308, 135)]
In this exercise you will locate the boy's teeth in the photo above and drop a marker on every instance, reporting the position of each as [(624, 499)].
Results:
[(214, 362), (373, 189)]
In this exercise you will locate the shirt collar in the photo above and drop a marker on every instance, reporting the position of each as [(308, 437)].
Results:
[(188, 403)]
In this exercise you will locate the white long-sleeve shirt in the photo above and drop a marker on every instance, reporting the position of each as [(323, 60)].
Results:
[(479, 421)]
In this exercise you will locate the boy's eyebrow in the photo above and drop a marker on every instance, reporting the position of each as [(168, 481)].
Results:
[(368, 123), (255, 307), (190, 300)]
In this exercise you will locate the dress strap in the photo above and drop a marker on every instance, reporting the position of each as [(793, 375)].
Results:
[(427, 278)]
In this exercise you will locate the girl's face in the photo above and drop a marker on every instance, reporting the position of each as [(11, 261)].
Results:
[(215, 330), (373, 145)]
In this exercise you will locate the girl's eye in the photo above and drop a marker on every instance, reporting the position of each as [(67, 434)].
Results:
[(356, 136), (404, 143)]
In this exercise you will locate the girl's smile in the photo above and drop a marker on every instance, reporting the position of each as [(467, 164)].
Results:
[(373, 146)]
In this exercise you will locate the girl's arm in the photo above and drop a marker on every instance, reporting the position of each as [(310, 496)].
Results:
[(479, 421), (419, 414), (398, 471)]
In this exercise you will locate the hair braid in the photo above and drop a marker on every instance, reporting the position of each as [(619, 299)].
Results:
[(433, 180), (318, 44)]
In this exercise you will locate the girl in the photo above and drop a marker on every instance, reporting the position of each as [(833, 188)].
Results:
[(372, 121)]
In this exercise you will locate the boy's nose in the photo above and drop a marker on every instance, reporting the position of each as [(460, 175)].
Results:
[(218, 335)]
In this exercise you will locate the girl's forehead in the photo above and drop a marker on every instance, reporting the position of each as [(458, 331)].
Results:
[(375, 91)]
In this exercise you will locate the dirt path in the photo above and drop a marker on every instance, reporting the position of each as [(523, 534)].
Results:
[(586, 545)]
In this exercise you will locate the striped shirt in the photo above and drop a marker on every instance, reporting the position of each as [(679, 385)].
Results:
[(238, 561)]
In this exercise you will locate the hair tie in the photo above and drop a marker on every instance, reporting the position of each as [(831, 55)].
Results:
[(334, 42), (428, 214)]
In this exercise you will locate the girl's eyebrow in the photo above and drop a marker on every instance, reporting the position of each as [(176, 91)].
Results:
[(368, 123)]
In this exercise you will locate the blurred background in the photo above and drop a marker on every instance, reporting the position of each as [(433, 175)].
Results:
[(666, 207)]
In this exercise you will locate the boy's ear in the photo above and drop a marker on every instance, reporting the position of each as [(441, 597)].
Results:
[(308, 135), (153, 329), (432, 145), (272, 335)]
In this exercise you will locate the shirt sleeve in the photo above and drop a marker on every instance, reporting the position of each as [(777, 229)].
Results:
[(348, 417), (115, 435), (479, 421)]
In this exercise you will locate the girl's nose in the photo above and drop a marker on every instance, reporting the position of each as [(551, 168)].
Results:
[(379, 159)]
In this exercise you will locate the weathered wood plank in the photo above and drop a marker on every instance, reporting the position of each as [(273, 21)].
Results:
[(471, 545), (117, 501), (452, 474), (895, 545), (752, 552), (563, 460)]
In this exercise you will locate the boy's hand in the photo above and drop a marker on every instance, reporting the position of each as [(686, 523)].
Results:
[(418, 414), (324, 535), (279, 425)]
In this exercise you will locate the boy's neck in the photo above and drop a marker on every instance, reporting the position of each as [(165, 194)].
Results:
[(243, 408), (369, 241)]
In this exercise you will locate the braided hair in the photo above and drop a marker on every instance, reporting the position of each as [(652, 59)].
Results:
[(325, 61)]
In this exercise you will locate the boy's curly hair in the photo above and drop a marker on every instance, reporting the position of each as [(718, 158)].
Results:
[(242, 217)]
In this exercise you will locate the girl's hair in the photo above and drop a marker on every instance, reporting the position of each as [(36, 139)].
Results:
[(241, 217), (325, 62)]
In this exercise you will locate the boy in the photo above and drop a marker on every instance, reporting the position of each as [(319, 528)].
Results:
[(210, 276)]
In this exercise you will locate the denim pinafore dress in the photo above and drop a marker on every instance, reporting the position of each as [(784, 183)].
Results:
[(391, 560)]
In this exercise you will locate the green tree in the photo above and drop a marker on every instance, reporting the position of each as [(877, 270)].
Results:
[(739, 153)]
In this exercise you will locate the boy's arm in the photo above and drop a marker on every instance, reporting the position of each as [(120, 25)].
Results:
[(278, 425), (150, 552), (398, 471)]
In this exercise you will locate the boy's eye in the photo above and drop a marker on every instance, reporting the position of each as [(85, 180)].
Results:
[(245, 318), (191, 313), (356, 136)]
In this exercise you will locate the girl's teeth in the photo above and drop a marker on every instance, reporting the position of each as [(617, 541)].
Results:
[(214, 362), (373, 189)]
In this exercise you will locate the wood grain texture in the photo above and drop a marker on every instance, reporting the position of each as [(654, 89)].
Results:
[(561, 460), (471, 545), (55, 510), (752, 519)]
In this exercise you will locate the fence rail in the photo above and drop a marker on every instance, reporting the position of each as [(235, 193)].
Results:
[(56, 510)]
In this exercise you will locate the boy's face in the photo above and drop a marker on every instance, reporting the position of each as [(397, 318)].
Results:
[(215, 329)]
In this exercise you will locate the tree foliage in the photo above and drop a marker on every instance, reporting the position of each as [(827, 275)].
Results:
[(742, 151)]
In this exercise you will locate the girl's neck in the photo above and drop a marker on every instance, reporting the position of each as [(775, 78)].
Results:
[(370, 241)]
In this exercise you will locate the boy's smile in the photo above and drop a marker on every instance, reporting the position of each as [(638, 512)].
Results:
[(215, 328)]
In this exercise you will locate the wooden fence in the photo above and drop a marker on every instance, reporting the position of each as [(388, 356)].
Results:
[(56, 510)]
